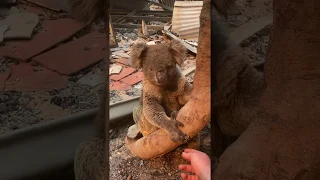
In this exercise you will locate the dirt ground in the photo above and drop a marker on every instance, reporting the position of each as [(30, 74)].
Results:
[(123, 165)]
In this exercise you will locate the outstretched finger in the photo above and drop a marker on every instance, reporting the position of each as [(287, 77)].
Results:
[(186, 167), (186, 156), (191, 150), (189, 177)]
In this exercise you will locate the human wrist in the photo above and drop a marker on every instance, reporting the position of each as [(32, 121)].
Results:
[(206, 174)]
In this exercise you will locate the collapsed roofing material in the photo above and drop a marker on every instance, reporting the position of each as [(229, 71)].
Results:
[(185, 19)]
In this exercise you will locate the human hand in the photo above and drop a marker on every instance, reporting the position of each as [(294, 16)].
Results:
[(200, 165)]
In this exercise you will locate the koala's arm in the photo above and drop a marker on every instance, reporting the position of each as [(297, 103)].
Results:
[(186, 92), (156, 115), (154, 112)]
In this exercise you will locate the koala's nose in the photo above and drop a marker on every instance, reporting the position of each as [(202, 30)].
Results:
[(161, 76)]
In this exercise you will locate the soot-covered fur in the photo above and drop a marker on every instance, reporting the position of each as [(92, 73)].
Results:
[(236, 87), (165, 90), (90, 161)]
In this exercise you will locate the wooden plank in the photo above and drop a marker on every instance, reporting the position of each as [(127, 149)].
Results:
[(149, 18), (121, 20), (112, 32)]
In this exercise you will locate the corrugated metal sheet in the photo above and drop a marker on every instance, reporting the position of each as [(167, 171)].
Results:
[(185, 19)]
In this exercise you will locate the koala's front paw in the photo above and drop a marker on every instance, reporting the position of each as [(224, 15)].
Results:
[(178, 136), (173, 117)]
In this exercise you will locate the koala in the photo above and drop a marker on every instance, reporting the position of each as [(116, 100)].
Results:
[(165, 90), (237, 86), (90, 160)]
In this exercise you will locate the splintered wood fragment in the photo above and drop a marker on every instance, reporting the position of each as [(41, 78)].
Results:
[(115, 69), (144, 28), (113, 37), (189, 70), (192, 49)]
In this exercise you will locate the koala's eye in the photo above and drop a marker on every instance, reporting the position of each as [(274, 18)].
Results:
[(150, 69)]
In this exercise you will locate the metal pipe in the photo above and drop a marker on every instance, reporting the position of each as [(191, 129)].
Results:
[(46, 147)]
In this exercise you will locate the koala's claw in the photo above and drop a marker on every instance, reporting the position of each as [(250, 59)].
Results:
[(173, 117), (179, 137), (178, 123)]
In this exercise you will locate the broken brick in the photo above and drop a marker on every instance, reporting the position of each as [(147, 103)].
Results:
[(119, 86), (76, 55), (125, 72), (133, 78), (52, 33), (24, 78)]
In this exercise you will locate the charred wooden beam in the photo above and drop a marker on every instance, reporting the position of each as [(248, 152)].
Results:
[(136, 26), (123, 19), (161, 5), (149, 18), (112, 31)]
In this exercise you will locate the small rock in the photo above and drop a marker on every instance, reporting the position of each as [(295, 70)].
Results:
[(115, 69)]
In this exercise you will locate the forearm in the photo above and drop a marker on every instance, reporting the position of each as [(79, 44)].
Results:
[(155, 114)]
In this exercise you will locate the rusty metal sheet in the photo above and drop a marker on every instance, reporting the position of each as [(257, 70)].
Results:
[(75, 56), (185, 19), (55, 5), (52, 33)]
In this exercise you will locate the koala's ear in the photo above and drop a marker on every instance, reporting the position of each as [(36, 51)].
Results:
[(137, 51), (179, 51)]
